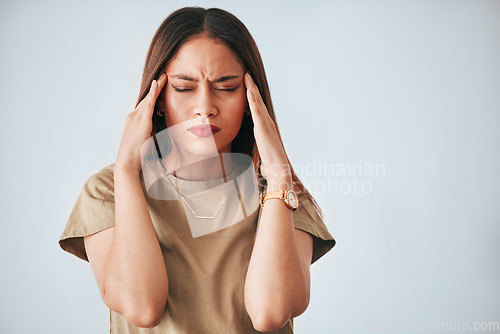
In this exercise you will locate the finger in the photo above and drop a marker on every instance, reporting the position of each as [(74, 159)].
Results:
[(252, 104), (255, 90), (154, 92), (260, 114), (146, 100), (150, 99), (257, 105), (162, 80), (252, 101), (156, 89), (255, 109)]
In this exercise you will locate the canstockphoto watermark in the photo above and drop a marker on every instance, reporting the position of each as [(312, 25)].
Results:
[(339, 177), (432, 325)]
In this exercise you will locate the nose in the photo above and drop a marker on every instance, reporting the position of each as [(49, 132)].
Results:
[(205, 106)]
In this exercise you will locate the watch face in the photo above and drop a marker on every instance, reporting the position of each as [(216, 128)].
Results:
[(292, 199)]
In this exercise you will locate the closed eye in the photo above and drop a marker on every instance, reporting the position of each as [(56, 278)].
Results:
[(228, 89), (180, 90)]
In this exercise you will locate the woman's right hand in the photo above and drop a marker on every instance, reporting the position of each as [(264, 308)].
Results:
[(138, 127)]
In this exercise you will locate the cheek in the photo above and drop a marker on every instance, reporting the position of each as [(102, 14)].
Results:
[(238, 102), (174, 107), (236, 114), (236, 108)]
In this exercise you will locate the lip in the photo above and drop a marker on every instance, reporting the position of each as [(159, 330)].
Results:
[(204, 130)]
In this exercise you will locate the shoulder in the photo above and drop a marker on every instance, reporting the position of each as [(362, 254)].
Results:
[(105, 174), (101, 182)]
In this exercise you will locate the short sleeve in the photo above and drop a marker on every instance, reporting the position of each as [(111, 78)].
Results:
[(307, 219), (93, 211)]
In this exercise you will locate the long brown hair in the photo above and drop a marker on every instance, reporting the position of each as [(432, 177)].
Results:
[(189, 22)]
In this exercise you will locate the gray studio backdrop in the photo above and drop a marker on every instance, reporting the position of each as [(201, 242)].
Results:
[(389, 110)]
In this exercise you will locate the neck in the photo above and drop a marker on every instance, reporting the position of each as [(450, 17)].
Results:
[(214, 167)]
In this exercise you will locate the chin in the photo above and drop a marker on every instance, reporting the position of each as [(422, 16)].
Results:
[(201, 150)]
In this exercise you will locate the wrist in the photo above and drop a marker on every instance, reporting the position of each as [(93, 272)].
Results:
[(288, 195), (278, 175), (276, 184), (125, 169)]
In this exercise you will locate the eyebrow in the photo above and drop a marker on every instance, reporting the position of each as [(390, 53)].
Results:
[(190, 78)]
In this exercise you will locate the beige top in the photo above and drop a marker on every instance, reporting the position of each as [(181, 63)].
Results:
[(206, 259)]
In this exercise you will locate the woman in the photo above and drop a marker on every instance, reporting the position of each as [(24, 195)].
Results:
[(173, 230)]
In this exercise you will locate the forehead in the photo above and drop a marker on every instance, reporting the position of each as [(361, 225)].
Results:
[(205, 57)]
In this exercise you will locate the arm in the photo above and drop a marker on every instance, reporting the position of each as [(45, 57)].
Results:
[(277, 282), (135, 276), (126, 259)]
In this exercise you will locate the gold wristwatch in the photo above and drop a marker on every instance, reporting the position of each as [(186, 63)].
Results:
[(289, 196)]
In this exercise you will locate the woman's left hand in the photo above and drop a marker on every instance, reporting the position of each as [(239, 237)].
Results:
[(274, 167)]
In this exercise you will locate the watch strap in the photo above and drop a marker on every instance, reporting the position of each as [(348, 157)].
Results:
[(273, 194), (282, 194)]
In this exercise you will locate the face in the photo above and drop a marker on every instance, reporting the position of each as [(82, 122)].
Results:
[(204, 98)]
